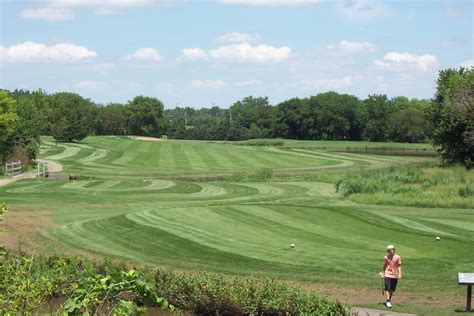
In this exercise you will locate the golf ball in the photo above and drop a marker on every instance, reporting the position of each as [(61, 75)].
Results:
[(292, 245), (438, 238)]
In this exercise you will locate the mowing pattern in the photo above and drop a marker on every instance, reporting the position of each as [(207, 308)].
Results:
[(247, 228), (120, 157), (125, 210)]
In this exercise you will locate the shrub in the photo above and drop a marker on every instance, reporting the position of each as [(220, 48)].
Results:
[(208, 294)]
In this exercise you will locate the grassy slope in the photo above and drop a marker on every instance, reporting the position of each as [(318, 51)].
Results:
[(241, 228)]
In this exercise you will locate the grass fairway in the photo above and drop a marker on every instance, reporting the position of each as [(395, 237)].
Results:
[(132, 209), (125, 158)]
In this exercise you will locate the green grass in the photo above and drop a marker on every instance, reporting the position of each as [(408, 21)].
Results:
[(122, 157), (242, 228), (423, 186)]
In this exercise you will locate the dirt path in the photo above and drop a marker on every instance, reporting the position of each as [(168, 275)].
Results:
[(359, 311), (53, 167)]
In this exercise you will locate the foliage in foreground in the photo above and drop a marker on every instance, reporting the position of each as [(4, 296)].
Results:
[(28, 285), (426, 186), (207, 294)]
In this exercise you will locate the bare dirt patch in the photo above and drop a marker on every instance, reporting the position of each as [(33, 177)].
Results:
[(21, 229)]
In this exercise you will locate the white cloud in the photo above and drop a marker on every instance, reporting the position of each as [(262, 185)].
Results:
[(467, 63), (47, 14), (236, 37), (145, 55), (269, 2), (193, 54), (353, 47), (86, 84), (208, 84), (244, 52), (362, 9), (103, 7), (405, 61), (38, 52), (248, 83), (329, 84), (101, 3)]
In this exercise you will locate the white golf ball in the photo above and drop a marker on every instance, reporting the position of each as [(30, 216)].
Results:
[(292, 245), (438, 238)]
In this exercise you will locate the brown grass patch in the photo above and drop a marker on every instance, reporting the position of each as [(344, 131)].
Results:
[(21, 229)]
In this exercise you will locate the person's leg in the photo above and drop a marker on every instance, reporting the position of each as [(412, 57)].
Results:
[(388, 291)]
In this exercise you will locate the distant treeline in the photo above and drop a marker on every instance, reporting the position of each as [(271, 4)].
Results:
[(445, 119), (326, 116)]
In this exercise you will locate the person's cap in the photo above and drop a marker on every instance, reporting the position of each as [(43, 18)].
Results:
[(390, 247)]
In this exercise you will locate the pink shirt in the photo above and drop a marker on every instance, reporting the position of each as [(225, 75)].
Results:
[(390, 266)]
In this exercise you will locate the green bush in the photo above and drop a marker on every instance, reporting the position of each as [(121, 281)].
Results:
[(207, 294), (28, 284)]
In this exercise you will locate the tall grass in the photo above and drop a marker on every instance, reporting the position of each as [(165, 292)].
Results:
[(423, 186), (258, 175)]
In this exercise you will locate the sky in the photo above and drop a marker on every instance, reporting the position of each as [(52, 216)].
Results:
[(216, 52)]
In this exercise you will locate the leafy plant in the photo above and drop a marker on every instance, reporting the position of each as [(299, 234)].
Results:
[(113, 293)]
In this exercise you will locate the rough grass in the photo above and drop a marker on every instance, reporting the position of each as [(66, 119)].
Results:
[(427, 186)]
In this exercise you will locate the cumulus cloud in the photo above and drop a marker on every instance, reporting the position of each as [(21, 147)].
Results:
[(404, 61), (38, 52), (467, 63), (193, 54), (245, 52), (145, 55), (235, 37), (353, 47), (269, 2), (362, 9), (47, 14), (327, 84), (208, 84)]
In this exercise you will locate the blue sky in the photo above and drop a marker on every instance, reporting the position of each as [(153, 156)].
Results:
[(204, 53)]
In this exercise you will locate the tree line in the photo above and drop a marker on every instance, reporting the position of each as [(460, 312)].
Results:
[(446, 120)]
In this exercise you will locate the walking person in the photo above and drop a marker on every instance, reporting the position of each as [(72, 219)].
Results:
[(391, 273)]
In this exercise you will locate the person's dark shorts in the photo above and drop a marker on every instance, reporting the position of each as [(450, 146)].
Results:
[(390, 284)]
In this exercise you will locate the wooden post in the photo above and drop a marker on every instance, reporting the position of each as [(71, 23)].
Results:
[(467, 279), (468, 301)]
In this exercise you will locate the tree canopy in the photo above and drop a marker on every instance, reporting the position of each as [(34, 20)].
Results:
[(451, 115)]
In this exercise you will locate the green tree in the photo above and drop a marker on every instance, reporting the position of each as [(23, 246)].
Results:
[(336, 115), (8, 122), (374, 116), (451, 116), (145, 116), (72, 117), (407, 125)]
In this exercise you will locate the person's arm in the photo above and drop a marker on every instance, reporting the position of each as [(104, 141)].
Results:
[(400, 268), (382, 274)]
